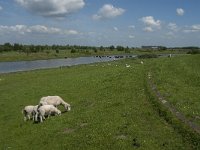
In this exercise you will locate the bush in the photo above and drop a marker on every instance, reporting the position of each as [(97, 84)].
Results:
[(194, 51), (73, 51), (57, 51)]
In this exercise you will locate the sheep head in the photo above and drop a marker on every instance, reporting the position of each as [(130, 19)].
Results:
[(67, 107)]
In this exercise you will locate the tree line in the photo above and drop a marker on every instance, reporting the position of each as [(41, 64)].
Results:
[(6, 47)]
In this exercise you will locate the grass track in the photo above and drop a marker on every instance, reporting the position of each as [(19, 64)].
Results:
[(110, 110), (178, 79)]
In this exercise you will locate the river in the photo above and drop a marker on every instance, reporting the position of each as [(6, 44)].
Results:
[(7, 67)]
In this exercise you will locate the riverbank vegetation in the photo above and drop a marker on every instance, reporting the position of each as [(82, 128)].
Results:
[(111, 108), (17, 52)]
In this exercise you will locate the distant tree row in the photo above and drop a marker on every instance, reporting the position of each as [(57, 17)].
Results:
[(23, 48), (72, 48), (77, 48)]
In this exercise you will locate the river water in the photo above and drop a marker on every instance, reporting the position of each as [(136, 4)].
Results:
[(7, 67)]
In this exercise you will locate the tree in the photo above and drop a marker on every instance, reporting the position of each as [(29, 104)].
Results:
[(8, 47), (112, 47), (73, 50), (101, 48), (17, 47), (120, 48)]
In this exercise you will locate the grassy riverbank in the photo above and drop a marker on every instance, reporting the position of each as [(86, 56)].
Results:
[(178, 80), (52, 54), (110, 107)]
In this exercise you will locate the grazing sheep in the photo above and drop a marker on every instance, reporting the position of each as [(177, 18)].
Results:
[(127, 66), (29, 112), (54, 100), (47, 110), (142, 62)]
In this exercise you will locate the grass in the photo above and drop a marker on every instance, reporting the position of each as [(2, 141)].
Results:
[(110, 109), (178, 79)]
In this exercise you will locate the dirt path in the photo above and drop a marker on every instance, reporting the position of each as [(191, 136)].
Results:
[(170, 107)]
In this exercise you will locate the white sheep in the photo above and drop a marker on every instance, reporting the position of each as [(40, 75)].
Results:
[(47, 110), (128, 65), (29, 112), (54, 100)]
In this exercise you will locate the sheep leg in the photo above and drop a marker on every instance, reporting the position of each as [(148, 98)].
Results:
[(29, 118), (48, 115), (41, 119), (33, 117), (25, 118), (36, 116)]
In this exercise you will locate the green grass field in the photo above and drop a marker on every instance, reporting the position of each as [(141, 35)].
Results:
[(178, 79), (110, 106)]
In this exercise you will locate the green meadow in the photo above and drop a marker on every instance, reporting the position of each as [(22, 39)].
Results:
[(111, 105), (178, 80)]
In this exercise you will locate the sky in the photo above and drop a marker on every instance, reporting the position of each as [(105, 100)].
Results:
[(133, 23)]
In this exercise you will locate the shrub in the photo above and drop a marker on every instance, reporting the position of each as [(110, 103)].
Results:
[(73, 51), (194, 51)]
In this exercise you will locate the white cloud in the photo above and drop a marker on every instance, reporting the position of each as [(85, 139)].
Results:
[(131, 36), (115, 28), (180, 11), (1, 8), (150, 24), (108, 11), (193, 28), (173, 26), (150, 21), (36, 29), (52, 8), (148, 29), (196, 27), (21, 29), (71, 32)]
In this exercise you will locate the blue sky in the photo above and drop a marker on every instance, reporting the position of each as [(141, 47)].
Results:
[(103, 22)]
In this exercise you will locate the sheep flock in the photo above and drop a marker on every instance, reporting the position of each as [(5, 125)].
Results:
[(46, 107)]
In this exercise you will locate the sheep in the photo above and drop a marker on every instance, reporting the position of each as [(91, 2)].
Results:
[(29, 112), (47, 110), (127, 66), (54, 100)]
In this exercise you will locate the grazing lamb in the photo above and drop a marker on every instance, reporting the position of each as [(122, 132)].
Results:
[(29, 112), (47, 110), (54, 100)]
